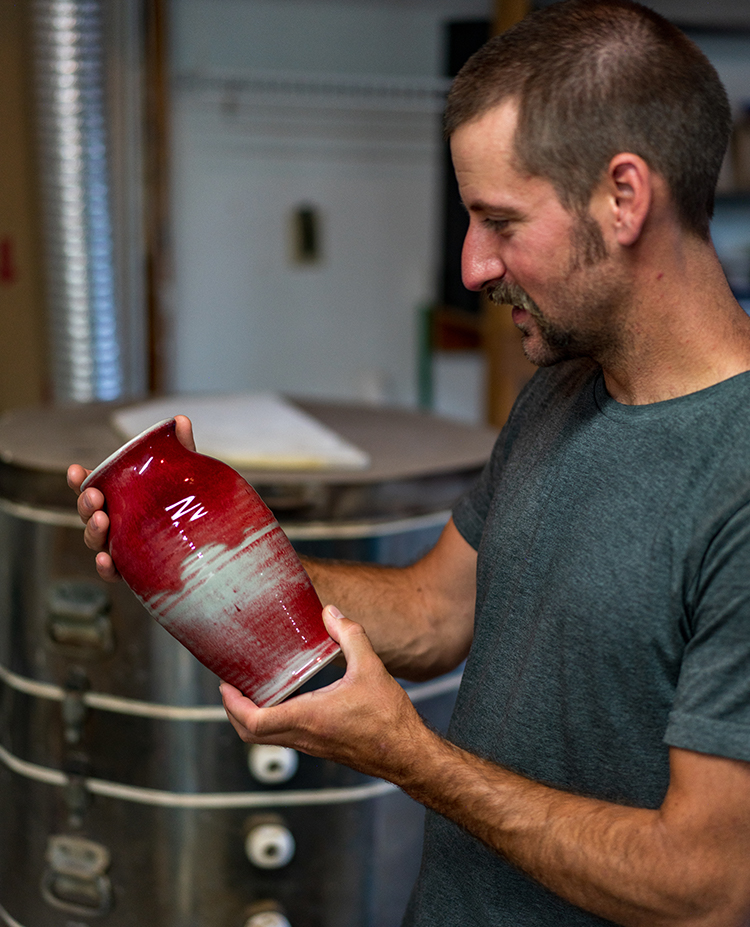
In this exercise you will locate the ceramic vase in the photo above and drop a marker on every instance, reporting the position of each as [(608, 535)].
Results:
[(208, 560)]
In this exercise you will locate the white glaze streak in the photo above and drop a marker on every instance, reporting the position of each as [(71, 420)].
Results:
[(199, 570)]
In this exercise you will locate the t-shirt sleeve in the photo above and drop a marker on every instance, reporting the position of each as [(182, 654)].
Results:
[(471, 509), (711, 710), (470, 512)]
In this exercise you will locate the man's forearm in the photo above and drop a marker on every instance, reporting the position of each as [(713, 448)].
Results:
[(420, 618), (394, 609), (629, 865)]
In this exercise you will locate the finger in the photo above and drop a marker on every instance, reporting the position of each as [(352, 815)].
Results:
[(184, 431), (242, 713), (89, 502), (106, 568), (95, 535), (75, 476), (233, 700), (271, 725)]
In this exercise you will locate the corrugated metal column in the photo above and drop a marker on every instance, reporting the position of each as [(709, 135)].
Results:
[(97, 343)]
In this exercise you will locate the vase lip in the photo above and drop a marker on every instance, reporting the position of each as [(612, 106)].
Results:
[(121, 450)]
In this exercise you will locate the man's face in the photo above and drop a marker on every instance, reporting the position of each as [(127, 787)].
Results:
[(525, 249)]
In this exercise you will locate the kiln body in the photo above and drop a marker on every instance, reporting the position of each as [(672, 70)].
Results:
[(125, 796)]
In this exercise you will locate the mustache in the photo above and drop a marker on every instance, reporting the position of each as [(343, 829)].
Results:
[(513, 295)]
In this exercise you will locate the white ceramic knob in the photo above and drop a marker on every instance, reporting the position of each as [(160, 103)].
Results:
[(268, 919), (272, 765), (270, 846)]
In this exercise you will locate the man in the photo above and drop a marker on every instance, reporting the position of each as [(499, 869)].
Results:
[(597, 767)]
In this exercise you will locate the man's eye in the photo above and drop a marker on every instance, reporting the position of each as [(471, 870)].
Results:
[(496, 225)]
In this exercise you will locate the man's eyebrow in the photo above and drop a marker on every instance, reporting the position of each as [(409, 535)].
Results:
[(493, 209)]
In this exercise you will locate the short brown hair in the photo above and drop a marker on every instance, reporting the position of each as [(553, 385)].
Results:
[(596, 77)]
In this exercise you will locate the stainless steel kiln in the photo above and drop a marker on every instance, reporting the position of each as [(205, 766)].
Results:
[(125, 796)]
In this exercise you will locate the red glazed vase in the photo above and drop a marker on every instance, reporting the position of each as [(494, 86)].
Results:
[(208, 560)]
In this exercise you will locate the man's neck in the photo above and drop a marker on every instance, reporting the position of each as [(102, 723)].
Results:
[(685, 330)]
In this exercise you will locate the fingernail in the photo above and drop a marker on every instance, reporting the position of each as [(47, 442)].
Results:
[(334, 612)]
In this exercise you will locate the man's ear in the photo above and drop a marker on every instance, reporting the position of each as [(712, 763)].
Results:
[(630, 190)]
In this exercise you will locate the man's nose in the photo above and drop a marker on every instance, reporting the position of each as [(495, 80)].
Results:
[(480, 262)]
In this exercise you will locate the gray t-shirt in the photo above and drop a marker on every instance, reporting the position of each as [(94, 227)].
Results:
[(612, 620)]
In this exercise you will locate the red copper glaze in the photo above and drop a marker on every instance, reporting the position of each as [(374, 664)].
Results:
[(209, 561)]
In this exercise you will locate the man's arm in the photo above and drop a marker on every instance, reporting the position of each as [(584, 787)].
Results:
[(419, 619), (686, 863)]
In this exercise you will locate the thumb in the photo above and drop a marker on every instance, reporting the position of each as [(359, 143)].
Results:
[(184, 431), (349, 635)]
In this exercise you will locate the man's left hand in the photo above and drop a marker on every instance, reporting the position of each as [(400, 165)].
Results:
[(364, 720)]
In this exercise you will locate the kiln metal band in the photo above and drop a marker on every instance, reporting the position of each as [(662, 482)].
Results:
[(295, 531), (192, 800), (134, 707), (10, 921), (199, 713)]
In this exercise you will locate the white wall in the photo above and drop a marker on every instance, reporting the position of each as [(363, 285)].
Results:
[(311, 35), (247, 153)]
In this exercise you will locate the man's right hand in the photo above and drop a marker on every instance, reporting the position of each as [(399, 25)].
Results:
[(91, 504)]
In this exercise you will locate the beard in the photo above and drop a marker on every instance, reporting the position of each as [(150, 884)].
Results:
[(560, 343), (565, 342)]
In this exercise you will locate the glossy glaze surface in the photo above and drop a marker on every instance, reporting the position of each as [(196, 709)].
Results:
[(209, 561)]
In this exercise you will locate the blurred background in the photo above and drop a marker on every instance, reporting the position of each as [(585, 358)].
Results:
[(278, 211)]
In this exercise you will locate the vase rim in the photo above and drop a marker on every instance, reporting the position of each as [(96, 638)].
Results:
[(121, 450)]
